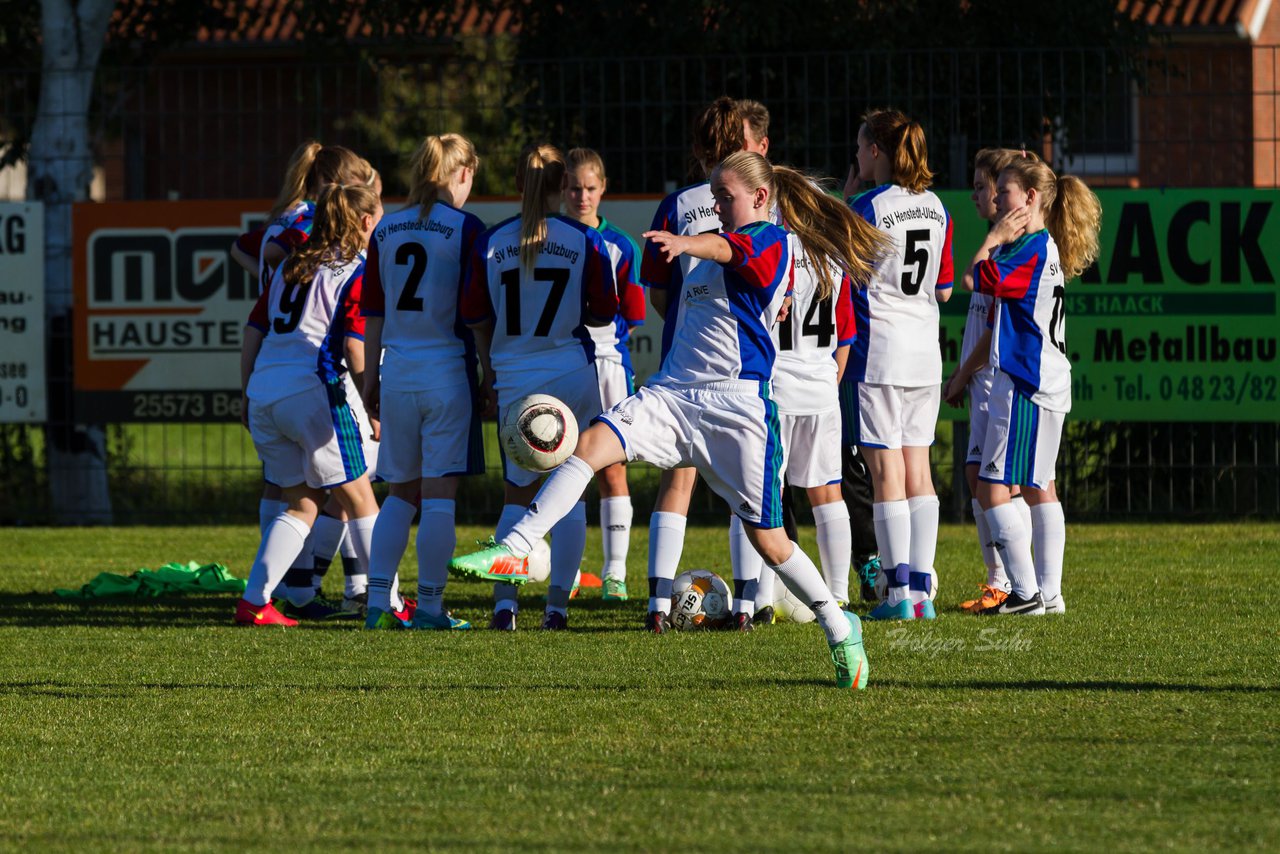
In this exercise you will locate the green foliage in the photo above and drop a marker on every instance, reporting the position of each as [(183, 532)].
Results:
[(1144, 718), (473, 90)]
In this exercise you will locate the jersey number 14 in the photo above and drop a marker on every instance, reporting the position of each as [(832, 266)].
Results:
[(819, 323)]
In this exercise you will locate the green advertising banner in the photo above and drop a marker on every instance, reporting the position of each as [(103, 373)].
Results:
[(1178, 319)]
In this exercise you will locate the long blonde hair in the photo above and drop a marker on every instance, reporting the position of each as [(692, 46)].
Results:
[(337, 232), (903, 141), (991, 161), (1072, 213), (434, 164), (831, 233), (313, 165), (539, 177)]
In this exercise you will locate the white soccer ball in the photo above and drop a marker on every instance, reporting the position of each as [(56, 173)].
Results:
[(538, 432), (789, 608), (539, 562), (699, 600)]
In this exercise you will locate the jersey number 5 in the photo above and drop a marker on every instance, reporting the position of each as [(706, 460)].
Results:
[(559, 279), (917, 253)]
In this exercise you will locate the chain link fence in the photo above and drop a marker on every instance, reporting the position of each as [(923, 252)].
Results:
[(1202, 116)]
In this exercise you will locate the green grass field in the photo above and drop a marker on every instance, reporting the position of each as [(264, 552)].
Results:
[(1146, 717)]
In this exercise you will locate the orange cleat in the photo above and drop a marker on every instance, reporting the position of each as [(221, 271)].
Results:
[(989, 597)]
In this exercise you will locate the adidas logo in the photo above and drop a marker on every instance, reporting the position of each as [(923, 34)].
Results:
[(533, 508), (744, 507), (975, 450), (992, 468), (617, 527)]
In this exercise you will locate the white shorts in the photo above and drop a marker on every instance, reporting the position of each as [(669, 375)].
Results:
[(579, 390), (366, 428), (812, 444), (1021, 444), (891, 416), (728, 431), (979, 397), (311, 437), (433, 433), (616, 382)]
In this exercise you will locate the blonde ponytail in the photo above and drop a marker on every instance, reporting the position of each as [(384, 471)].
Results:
[(337, 232), (434, 164), (831, 233), (295, 178), (1074, 220), (539, 177)]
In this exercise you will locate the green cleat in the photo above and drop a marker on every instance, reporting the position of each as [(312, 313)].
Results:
[(850, 658), (615, 590), (494, 562), (384, 620)]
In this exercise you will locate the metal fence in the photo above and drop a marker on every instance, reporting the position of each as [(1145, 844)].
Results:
[(205, 129)]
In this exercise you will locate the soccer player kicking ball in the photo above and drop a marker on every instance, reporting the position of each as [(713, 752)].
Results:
[(709, 405)]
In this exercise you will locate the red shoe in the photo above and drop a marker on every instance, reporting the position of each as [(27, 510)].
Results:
[(248, 614), (405, 614)]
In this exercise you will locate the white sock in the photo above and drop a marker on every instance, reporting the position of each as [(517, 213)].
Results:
[(268, 510), (390, 539), (803, 579), (1049, 537), (436, 540), (892, 520), (666, 544), (835, 546), (504, 595), (284, 539), (746, 563), (996, 576), (924, 545), (1014, 542), (1023, 508), (615, 531), (568, 541), (560, 492), (765, 596), (325, 536)]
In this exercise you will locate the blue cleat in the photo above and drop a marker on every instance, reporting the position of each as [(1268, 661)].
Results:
[(885, 611), (380, 619), (442, 621), (925, 610)]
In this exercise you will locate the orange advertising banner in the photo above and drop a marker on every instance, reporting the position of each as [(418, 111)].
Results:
[(160, 308)]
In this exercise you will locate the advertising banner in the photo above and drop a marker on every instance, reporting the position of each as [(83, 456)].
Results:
[(22, 322)]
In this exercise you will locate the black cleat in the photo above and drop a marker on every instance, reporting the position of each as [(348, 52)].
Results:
[(503, 621), (554, 621), (657, 622), (1015, 604), (868, 572), (742, 622), (763, 617)]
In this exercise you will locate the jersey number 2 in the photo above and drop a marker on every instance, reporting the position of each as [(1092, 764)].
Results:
[(415, 254), (559, 279)]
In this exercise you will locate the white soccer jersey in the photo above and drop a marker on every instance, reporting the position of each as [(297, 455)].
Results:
[(688, 211), (720, 321), (540, 315), (976, 324), (287, 231), (804, 377), (1028, 335), (414, 281), (898, 310), (306, 327)]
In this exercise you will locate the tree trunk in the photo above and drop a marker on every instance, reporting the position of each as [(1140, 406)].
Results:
[(60, 169)]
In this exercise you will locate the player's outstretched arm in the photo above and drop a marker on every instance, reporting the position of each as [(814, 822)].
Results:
[(708, 247)]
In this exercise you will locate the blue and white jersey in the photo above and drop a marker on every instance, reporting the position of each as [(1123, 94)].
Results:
[(415, 273), (306, 327), (898, 309), (540, 315), (1028, 334), (688, 211), (624, 255), (720, 324)]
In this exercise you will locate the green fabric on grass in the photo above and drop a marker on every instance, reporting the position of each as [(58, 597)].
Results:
[(170, 579)]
